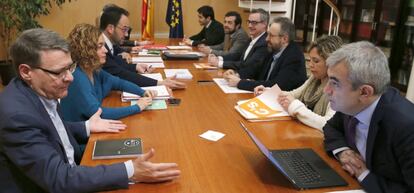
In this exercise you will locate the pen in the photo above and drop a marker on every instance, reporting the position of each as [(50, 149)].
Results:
[(146, 69), (204, 81)]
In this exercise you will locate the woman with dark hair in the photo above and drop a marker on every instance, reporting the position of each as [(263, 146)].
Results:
[(91, 84)]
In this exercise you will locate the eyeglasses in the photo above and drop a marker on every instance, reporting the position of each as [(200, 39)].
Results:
[(253, 22), (124, 29), (62, 73)]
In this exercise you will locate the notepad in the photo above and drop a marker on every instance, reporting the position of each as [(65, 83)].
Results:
[(178, 73), (147, 59), (224, 86), (117, 148)]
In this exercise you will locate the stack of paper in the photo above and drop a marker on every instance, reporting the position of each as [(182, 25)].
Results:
[(205, 66), (224, 86), (156, 59), (179, 47), (178, 73), (264, 107), (184, 52), (156, 76), (149, 53), (155, 47), (162, 93)]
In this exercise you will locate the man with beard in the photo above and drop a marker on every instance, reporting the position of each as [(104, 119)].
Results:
[(212, 32), (114, 23), (236, 39), (285, 67)]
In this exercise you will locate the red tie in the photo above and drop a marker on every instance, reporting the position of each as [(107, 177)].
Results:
[(350, 132)]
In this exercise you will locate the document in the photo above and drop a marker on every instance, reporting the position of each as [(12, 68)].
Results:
[(149, 53), (263, 107), (156, 76), (224, 86), (178, 73), (179, 47), (138, 59), (162, 93), (154, 64), (205, 66)]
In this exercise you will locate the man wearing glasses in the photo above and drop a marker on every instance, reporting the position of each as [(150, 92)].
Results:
[(256, 51), (114, 23), (39, 151), (284, 67)]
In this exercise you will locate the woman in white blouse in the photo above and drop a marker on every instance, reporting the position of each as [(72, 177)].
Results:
[(308, 103)]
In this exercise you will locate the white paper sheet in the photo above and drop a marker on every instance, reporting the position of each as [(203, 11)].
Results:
[(224, 86)]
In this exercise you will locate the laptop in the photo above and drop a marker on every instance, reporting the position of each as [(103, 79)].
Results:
[(302, 167)]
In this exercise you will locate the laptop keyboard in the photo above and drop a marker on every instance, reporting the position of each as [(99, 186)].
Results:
[(302, 169)]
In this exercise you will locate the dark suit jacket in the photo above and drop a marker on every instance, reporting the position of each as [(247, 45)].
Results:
[(117, 66), (32, 157), (390, 144), (256, 56), (212, 35), (289, 71)]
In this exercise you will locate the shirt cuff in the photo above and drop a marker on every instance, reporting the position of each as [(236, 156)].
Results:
[(363, 175), (220, 62), (87, 127), (129, 168), (336, 151)]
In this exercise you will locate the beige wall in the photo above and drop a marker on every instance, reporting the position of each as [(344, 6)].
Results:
[(63, 19)]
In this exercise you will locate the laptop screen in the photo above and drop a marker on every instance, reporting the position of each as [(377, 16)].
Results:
[(263, 149)]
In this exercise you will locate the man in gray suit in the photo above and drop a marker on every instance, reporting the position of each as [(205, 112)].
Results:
[(40, 152), (236, 39)]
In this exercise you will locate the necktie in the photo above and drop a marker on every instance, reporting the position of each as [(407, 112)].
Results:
[(272, 65), (350, 132)]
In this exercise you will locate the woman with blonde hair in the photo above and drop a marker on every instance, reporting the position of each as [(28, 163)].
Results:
[(91, 84), (308, 103)]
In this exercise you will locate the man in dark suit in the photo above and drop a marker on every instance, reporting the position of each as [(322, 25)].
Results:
[(212, 32), (236, 39), (285, 67), (39, 151), (114, 23), (256, 51), (372, 133)]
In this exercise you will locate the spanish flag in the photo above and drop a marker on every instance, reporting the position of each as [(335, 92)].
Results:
[(146, 19)]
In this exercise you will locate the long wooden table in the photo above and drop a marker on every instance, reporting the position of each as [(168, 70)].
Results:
[(230, 165)]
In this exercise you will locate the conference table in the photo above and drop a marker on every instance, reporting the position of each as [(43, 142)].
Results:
[(232, 164)]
